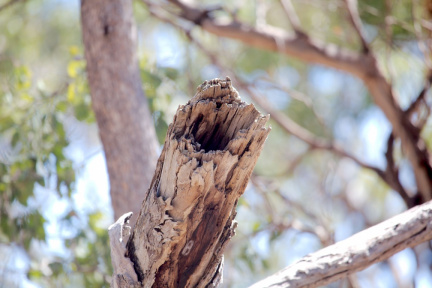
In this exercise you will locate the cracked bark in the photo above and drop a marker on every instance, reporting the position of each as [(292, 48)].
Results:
[(188, 214)]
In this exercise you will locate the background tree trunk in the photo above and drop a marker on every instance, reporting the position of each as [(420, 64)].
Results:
[(125, 124)]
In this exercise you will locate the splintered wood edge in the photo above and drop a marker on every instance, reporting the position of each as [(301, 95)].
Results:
[(216, 88), (192, 177)]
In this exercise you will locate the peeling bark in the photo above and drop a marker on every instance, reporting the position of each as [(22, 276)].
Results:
[(124, 273), (188, 214)]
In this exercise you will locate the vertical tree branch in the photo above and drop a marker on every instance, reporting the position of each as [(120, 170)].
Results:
[(125, 124)]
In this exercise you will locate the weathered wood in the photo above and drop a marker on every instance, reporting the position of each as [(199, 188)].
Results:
[(188, 214), (124, 274), (356, 252)]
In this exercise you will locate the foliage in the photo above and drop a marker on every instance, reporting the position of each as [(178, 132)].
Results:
[(306, 198)]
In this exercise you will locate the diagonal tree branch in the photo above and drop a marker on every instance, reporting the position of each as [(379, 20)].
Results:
[(354, 18), (293, 128), (392, 174), (275, 39), (8, 4), (357, 252), (291, 15), (363, 66)]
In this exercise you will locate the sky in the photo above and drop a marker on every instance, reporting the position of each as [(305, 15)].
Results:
[(92, 187)]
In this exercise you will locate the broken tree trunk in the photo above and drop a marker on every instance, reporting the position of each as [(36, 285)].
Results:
[(187, 216)]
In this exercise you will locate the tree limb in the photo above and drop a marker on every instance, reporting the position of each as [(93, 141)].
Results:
[(8, 4), (291, 16), (289, 125), (363, 66), (356, 252), (355, 20)]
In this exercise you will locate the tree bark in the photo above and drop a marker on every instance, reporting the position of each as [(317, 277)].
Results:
[(125, 124), (188, 215), (357, 252)]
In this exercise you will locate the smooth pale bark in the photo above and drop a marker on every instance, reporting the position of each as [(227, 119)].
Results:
[(125, 124), (357, 252), (188, 215)]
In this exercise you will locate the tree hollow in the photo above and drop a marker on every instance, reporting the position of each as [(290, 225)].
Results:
[(188, 214)]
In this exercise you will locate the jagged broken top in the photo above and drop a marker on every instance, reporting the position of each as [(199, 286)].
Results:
[(215, 117), (217, 89)]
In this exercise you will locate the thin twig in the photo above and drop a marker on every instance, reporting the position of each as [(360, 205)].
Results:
[(392, 174), (7, 4), (293, 128), (416, 104), (292, 16), (319, 230), (388, 29), (285, 122), (294, 94), (261, 13), (296, 161), (363, 65), (355, 20), (424, 48)]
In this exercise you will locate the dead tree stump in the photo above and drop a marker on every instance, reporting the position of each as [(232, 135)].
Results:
[(188, 214)]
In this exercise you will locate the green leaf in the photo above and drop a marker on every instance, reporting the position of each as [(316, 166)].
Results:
[(15, 138), (82, 111), (150, 80), (161, 129), (35, 274), (74, 50), (5, 227), (171, 73), (71, 91), (23, 78), (256, 226), (56, 268), (74, 68)]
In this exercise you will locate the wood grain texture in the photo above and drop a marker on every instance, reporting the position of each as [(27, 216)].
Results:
[(188, 216), (124, 274), (356, 252)]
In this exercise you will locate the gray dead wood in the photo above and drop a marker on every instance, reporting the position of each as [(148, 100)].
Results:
[(357, 252), (187, 216), (124, 274)]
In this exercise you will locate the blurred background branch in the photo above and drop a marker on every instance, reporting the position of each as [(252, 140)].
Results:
[(347, 84)]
